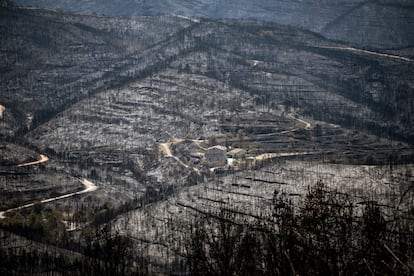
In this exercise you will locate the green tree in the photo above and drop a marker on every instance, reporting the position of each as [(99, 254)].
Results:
[(54, 228)]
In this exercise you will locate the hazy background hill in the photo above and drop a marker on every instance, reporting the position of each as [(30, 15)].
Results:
[(380, 24)]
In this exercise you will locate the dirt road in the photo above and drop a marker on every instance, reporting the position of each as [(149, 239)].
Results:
[(2, 109), (351, 49), (281, 154), (308, 125), (89, 187), (165, 149), (42, 159)]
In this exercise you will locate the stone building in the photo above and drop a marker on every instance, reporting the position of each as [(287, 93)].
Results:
[(216, 156)]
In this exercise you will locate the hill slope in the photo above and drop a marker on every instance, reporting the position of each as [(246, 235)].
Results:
[(381, 24), (133, 104), (288, 66)]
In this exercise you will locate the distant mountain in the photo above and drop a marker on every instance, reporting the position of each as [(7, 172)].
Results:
[(65, 58), (379, 24)]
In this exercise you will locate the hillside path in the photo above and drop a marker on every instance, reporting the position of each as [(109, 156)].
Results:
[(43, 159), (165, 149), (89, 187), (352, 49), (2, 109)]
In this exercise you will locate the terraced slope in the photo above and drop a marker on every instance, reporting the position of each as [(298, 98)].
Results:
[(162, 230), (134, 104), (291, 67), (52, 60), (108, 90)]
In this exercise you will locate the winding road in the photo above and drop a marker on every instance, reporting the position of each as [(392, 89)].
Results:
[(43, 159), (308, 125), (165, 148), (89, 187)]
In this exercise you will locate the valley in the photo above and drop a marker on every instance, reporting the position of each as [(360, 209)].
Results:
[(128, 136)]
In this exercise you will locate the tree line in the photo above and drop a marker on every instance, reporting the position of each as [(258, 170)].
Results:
[(329, 233), (323, 236)]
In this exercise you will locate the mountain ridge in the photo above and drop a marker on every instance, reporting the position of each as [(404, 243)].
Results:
[(135, 104), (271, 48), (377, 24)]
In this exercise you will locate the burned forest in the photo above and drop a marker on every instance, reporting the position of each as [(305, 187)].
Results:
[(210, 138)]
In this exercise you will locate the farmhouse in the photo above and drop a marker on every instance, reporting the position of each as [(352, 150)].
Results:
[(216, 156)]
